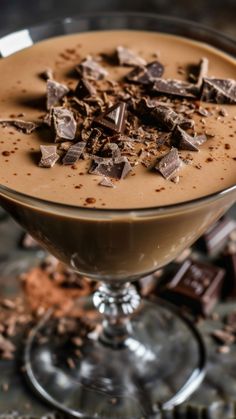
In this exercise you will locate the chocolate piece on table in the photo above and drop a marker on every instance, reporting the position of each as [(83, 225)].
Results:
[(84, 89), (74, 153), (113, 118), (117, 169), (229, 260), (146, 75), (218, 90), (90, 69), (128, 57), (64, 124), (26, 126), (28, 242), (215, 238), (163, 116), (169, 164), (178, 88), (49, 156), (183, 140), (55, 92), (196, 285), (106, 182)]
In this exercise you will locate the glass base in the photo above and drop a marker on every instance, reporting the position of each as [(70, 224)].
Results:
[(159, 365)]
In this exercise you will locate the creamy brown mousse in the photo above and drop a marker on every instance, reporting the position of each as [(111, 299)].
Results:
[(23, 96)]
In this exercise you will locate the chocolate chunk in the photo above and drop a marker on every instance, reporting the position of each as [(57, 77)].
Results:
[(183, 140), (113, 118), (74, 153), (64, 124), (107, 182), (174, 88), (117, 169), (55, 92), (111, 150), (90, 69), (218, 90), (28, 242), (84, 89), (215, 238), (203, 70), (49, 156), (162, 116), (200, 139), (223, 337), (26, 126), (47, 74), (229, 261), (129, 58), (146, 75), (195, 285), (169, 164)]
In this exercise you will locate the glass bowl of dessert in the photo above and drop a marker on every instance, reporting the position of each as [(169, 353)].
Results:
[(117, 152)]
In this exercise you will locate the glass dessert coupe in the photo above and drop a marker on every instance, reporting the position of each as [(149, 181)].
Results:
[(142, 354)]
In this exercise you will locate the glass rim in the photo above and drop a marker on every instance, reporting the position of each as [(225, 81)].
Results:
[(40, 203)]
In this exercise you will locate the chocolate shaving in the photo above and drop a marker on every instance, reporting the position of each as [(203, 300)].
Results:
[(169, 164), (163, 116), (107, 182), (218, 90), (26, 126), (49, 156), (117, 169), (64, 124), (55, 92), (74, 153), (90, 69), (113, 118), (183, 140), (84, 89), (177, 88), (146, 75), (129, 58)]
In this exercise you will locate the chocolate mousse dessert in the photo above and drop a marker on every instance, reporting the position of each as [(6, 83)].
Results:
[(119, 119)]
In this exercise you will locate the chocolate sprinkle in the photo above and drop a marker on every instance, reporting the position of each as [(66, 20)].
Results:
[(49, 156), (90, 69), (146, 75), (184, 140), (219, 90), (74, 153), (84, 89), (64, 124), (26, 126), (113, 118), (129, 58), (169, 164), (55, 92), (174, 88)]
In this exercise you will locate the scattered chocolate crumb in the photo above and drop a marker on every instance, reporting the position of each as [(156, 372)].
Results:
[(90, 200)]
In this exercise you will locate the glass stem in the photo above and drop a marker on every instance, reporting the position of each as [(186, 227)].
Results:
[(116, 303)]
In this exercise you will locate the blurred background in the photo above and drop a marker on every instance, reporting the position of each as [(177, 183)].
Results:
[(218, 14)]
